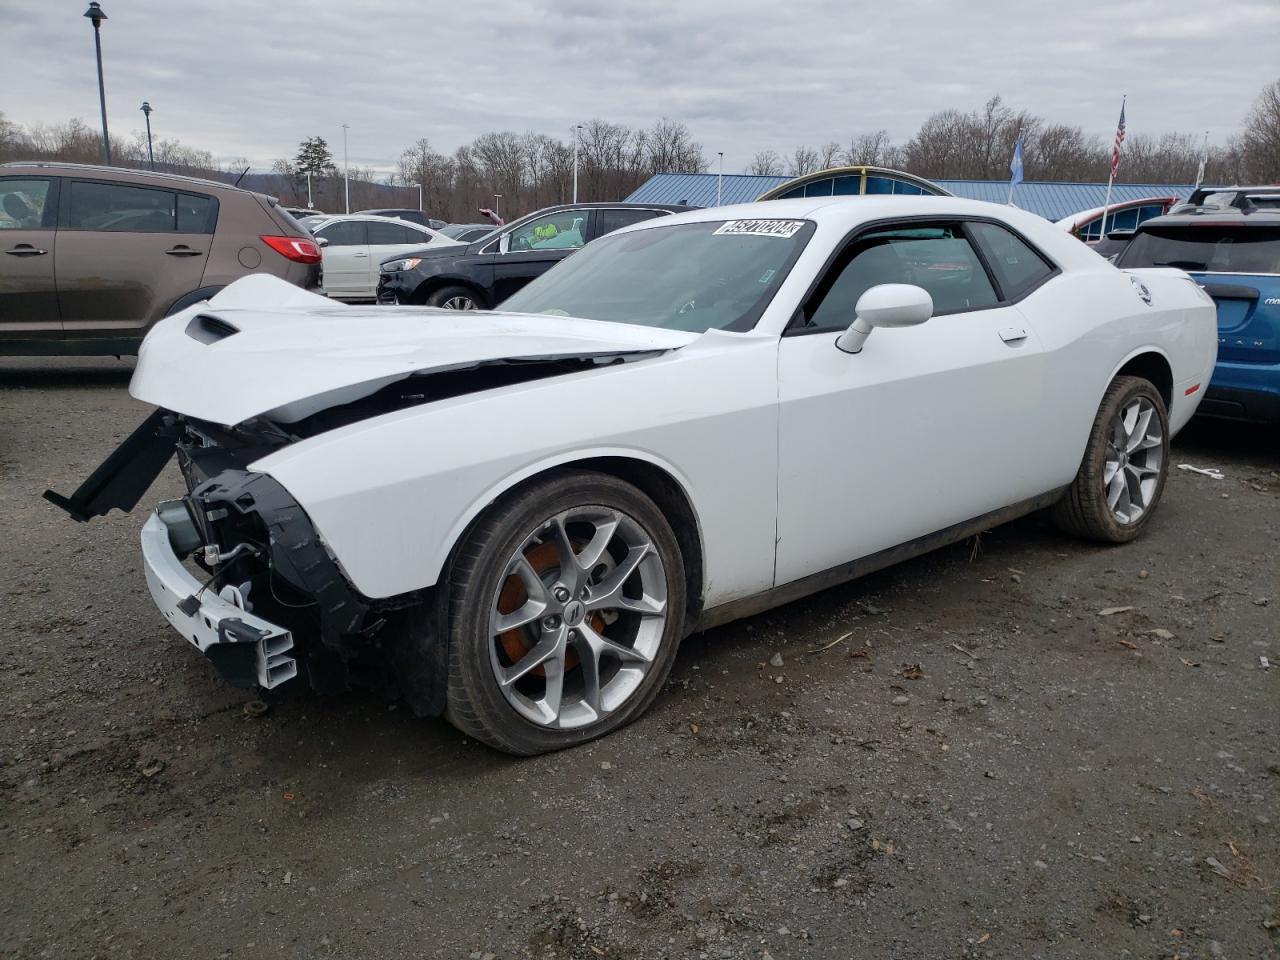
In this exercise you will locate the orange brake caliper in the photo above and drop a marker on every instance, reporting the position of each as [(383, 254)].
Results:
[(544, 558)]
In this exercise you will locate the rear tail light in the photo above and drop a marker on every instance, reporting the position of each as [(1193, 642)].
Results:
[(296, 249)]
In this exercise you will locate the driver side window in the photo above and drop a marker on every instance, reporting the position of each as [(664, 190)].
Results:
[(566, 230), (938, 258)]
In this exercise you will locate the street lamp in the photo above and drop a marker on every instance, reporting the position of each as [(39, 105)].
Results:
[(95, 14), (421, 209), (496, 198), (720, 178), (146, 112), (577, 135), (346, 168)]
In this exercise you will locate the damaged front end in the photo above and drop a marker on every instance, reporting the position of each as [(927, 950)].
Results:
[(237, 568)]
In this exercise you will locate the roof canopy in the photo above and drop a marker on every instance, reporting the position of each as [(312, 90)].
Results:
[(1052, 200)]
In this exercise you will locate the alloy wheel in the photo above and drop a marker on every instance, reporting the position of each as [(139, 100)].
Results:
[(1135, 454), (578, 617), (459, 303)]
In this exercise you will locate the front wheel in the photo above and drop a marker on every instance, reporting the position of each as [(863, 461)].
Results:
[(454, 298), (1125, 465), (565, 609)]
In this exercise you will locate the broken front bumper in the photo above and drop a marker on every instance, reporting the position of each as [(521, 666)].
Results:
[(247, 650)]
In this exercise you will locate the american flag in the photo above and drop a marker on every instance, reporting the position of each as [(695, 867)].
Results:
[(1115, 151)]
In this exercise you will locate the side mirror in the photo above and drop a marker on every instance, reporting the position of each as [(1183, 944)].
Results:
[(885, 305), (504, 243), (322, 241)]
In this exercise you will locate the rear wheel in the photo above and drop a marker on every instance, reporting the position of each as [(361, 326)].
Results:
[(454, 298), (1125, 464), (565, 610)]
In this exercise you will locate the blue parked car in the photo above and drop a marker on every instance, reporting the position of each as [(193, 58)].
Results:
[(1231, 245)]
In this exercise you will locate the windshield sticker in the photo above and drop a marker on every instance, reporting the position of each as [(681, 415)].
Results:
[(761, 228)]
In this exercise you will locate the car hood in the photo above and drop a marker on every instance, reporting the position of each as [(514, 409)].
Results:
[(262, 347), (454, 248)]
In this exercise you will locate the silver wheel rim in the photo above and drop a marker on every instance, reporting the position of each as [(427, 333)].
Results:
[(459, 303), (1135, 454), (577, 621)]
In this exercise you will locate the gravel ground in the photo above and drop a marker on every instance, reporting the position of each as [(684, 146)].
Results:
[(1021, 746)]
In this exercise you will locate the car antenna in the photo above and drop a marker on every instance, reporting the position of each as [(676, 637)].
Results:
[(241, 177)]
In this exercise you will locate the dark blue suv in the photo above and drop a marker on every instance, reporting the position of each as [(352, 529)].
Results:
[(1232, 248)]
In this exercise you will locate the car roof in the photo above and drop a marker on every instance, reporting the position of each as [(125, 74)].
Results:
[(605, 204), (1216, 217), (333, 217), (120, 172)]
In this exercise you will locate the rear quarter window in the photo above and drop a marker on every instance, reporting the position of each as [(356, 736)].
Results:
[(1018, 268)]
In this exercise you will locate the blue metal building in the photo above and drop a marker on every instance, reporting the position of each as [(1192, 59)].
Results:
[(1051, 200)]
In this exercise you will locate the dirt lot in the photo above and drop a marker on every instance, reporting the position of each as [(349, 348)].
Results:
[(990, 765)]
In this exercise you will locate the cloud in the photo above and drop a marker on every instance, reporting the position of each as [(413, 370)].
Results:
[(242, 78)]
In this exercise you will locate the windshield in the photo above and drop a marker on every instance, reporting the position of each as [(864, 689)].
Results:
[(1210, 248), (718, 275)]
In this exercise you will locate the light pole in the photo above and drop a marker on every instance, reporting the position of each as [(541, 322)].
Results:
[(577, 135), (310, 205), (496, 198), (146, 112), (720, 178), (420, 207), (96, 14), (346, 169)]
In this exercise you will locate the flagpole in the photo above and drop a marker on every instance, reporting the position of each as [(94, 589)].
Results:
[(1105, 204), (1204, 159), (1111, 176)]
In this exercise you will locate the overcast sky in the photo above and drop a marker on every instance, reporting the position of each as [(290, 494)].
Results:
[(251, 78)]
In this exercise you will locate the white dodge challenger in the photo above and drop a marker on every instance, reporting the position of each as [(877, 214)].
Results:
[(512, 518)]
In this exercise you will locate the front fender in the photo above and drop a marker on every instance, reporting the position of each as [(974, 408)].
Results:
[(392, 495)]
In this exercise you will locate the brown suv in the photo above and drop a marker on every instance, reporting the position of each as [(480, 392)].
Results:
[(90, 256)]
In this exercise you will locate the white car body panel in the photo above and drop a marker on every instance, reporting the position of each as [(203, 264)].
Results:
[(796, 458)]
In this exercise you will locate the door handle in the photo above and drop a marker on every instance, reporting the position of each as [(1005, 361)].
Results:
[(1013, 334), (26, 250), (182, 251), (363, 256)]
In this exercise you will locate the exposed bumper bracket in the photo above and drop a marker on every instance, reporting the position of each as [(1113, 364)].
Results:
[(247, 650)]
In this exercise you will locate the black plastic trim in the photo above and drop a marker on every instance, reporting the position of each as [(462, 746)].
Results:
[(122, 478)]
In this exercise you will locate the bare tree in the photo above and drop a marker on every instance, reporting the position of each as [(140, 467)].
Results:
[(1260, 140), (869, 149), (766, 163), (803, 160), (829, 155), (670, 148)]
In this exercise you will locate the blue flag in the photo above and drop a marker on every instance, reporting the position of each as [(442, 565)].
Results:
[(1015, 165)]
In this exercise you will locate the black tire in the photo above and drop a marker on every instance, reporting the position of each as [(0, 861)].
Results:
[(442, 296), (1083, 511), (476, 705)]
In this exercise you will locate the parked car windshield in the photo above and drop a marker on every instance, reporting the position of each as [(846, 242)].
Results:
[(1210, 248), (718, 274)]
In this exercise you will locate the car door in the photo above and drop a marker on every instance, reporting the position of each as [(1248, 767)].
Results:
[(28, 238), (927, 427), (390, 240), (533, 248), (126, 253), (346, 258)]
